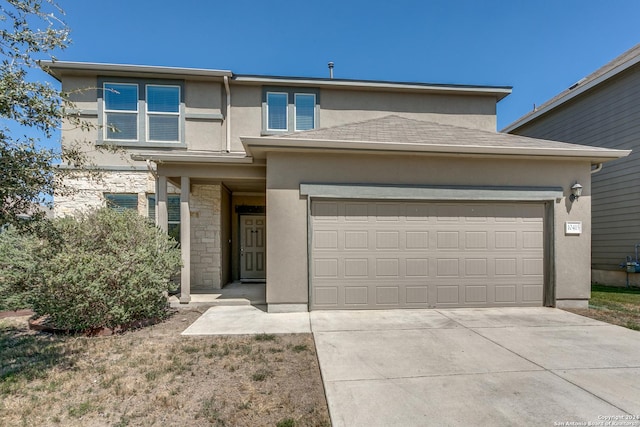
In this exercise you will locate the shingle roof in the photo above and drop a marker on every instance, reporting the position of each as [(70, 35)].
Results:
[(396, 129), (628, 57)]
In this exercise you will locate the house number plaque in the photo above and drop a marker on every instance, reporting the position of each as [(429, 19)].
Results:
[(573, 227)]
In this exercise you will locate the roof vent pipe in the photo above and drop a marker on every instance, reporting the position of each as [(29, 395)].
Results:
[(330, 70)]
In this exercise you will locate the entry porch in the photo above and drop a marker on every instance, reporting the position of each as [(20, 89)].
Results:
[(222, 229)]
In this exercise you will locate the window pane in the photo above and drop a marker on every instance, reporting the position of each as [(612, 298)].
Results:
[(122, 126), (163, 128), (151, 207), (277, 111), (173, 207), (163, 99), (120, 202), (305, 111), (174, 231), (121, 97)]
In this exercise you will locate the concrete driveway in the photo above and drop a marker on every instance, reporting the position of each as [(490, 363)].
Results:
[(498, 367)]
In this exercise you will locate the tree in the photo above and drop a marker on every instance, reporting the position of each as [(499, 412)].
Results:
[(28, 171)]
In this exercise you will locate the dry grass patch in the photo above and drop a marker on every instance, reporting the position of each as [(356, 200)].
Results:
[(615, 305), (154, 376)]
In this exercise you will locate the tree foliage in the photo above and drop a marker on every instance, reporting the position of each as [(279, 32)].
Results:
[(30, 30)]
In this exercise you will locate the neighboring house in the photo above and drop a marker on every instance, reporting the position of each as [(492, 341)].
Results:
[(339, 193), (602, 110)]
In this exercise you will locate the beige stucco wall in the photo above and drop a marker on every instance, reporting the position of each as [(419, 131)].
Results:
[(338, 107), (208, 98), (287, 274), (200, 132)]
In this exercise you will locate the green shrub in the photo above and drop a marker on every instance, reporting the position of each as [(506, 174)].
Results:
[(18, 261), (101, 269), (110, 269)]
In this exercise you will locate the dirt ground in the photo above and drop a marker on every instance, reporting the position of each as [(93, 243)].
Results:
[(154, 376), (629, 320)]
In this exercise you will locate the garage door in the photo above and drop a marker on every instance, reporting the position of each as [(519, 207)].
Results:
[(382, 255)]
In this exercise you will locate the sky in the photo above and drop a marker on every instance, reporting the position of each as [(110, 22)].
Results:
[(539, 47)]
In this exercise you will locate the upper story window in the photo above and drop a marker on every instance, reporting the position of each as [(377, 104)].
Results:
[(163, 113), (289, 110), (277, 106), (305, 111), (121, 111), (142, 112)]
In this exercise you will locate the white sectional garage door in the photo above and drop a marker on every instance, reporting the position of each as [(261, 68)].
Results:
[(381, 255)]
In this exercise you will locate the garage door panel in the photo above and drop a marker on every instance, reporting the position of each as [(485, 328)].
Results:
[(531, 293), (356, 212), (505, 294), (393, 255)]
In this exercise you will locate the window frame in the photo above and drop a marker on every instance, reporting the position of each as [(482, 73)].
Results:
[(159, 113), (295, 110), (291, 93), (173, 226), (107, 111), (286, 111), (111, 204), (142, 121)]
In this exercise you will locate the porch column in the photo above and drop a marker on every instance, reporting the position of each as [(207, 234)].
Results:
[(162, 217), (185, 240)]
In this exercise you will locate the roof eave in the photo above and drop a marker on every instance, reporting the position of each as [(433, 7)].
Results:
[(57, 68), (498, 91), (258, 147), (580, 89)]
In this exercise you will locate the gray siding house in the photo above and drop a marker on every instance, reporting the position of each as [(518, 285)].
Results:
[(602, 110), (338, 194)]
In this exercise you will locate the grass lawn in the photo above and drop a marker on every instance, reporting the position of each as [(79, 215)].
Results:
[(155, 376), (619, 306)]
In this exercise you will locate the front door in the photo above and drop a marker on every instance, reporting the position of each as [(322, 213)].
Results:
[(252, 247)]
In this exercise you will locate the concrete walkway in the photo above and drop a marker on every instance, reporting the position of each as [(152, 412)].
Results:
[(235, 293), (497, 367), (248, 320)]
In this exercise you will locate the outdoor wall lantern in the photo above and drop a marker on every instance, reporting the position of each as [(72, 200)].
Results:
[(576, 192)]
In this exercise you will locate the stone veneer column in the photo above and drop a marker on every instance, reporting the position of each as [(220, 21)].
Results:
[(185, 240), (162, 215), (205, 203)]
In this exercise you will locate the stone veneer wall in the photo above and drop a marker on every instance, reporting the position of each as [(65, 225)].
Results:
[(88, 193), (206, 202)]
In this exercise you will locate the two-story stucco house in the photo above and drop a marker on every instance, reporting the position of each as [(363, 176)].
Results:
[(602, 110), (340, 194)]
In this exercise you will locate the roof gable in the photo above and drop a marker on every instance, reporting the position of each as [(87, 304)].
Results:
[(400, 134), (397, 129)]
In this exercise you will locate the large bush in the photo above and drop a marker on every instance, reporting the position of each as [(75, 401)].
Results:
[(103, 269), (18, 267)]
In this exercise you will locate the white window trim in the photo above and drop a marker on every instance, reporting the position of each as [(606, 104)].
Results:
[(106, 112), (286, 112), (159, 113), (295, 112)]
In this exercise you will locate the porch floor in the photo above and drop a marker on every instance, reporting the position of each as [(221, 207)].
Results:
[(235, 293)]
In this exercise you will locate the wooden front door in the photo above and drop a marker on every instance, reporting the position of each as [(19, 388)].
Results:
[(253, 247)]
